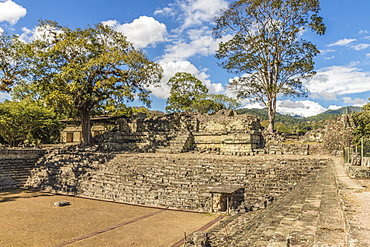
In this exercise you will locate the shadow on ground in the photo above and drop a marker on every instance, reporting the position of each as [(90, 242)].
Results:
[(13, 195)]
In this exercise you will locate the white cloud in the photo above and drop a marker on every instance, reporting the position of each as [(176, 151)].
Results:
[(144, 31), (355, 102), (11, 12), (171, 68), (4, 96), (167, 11), (193, 12), (254, 105), (1, 31), (329, 58), (200, 42), (324, 95), (342, 42), (324, 52), (334, 107), (192, 38), (360, 47), (305, 108), (198, 11), (339, 80)]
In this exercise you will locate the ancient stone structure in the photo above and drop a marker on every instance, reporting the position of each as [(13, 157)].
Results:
[(181, 181), (72, 132), (223, 133), (16, 166)]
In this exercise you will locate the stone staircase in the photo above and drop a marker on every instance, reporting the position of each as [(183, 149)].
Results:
[(169, 180), (62, 170), (16, 168), (179, 144), (310, 215)]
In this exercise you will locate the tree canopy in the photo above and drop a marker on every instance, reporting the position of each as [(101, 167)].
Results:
[(210, 103), (185, 88), (362, 121), (13, 62), (266, 50), (88, 69), (21, 121), (189, 94)]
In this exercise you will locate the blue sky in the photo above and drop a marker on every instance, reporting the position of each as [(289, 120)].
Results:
[(177, 34)]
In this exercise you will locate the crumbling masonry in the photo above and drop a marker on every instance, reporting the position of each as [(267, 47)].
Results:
[(158, 174)]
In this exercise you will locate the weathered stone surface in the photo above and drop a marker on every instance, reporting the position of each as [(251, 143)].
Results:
[(309, 215), (223, 133), (61, 203), (164, 180), (16, 166), (7, 182)]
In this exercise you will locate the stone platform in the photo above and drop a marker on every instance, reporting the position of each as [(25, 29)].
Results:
[(326, 209)]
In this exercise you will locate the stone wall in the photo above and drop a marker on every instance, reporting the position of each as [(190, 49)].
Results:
[(16, 166), (224, 133), (295, 149), (179, 181), (227, 133)]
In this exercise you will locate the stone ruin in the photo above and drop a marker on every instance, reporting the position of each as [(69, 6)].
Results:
[(223, 133), (335, 136), (143, 162), (180, 181)]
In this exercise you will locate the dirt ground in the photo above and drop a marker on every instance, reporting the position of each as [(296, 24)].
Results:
[(355, 195), (29, 218)]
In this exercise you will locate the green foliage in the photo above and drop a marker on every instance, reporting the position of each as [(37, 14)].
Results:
[(362, 121), (210, 103), (189, 94), (185, 88), (87, 70), (21, 121), (13, 62), (266, 50)]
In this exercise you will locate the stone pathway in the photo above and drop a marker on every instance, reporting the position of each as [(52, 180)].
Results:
[(355, 196), (326, 209)]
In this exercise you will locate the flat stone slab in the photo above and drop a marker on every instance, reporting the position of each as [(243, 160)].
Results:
[(226, 189)]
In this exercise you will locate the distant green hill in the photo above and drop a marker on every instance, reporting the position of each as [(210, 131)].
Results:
[(294, 124)]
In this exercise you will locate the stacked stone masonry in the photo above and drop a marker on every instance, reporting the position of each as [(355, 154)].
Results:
[(310, 215), (16, 166), (180, 181), (223, 133)]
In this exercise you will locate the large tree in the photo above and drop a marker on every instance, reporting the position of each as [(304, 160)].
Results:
[(189, 94), (266, 50), (210, 103), (88, 69), (185, 88)]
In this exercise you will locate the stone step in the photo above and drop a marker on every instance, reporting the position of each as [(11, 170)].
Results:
[(310, 215)]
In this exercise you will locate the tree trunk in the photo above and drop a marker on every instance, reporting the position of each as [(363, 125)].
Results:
[(86, 128), (271, 110)]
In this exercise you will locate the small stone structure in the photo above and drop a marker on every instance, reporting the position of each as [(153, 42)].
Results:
[(72, 132)]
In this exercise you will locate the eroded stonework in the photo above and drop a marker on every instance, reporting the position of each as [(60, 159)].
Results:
[(182, 181), (224, 133)]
